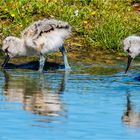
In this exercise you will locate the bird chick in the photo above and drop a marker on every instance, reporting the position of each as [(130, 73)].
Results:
[(132, 48), (40, 38)]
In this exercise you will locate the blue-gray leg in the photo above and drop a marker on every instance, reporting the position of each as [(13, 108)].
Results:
[(64, 53), (41, 63)]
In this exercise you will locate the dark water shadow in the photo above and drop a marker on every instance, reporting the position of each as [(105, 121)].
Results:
[(34, 65), (137, 78)]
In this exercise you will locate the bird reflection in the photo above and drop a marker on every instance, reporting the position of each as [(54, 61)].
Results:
[(130, 117), (39, 94)]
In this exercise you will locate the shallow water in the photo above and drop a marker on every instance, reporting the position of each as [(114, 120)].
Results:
[(88, 103)]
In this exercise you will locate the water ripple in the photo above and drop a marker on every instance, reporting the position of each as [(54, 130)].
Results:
[(73, 105)]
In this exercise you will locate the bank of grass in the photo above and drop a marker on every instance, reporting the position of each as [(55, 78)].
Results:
[(100, 24)]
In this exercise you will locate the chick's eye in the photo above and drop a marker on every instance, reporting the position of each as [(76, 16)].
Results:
[(128, 50)]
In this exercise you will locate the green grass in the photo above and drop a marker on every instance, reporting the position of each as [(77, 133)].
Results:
[(100, 23), (116, 22)]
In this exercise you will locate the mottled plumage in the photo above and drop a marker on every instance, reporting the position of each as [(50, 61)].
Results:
[(45, 26), (39, 38)]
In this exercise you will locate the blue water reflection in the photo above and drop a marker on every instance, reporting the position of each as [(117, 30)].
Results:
[(69, 106)]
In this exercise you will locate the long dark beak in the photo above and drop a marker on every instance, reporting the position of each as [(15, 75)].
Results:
[(128, 63), (7, 58)]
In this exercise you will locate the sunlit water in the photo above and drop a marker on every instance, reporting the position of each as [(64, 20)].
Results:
[(69, 106)]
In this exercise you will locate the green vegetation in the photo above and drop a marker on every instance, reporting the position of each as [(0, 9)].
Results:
[(99, 24)]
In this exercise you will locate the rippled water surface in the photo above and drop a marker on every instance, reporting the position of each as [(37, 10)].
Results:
[(69, 106)]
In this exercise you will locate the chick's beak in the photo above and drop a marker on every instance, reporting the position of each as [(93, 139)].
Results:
[(7, 58), (128, 63)]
